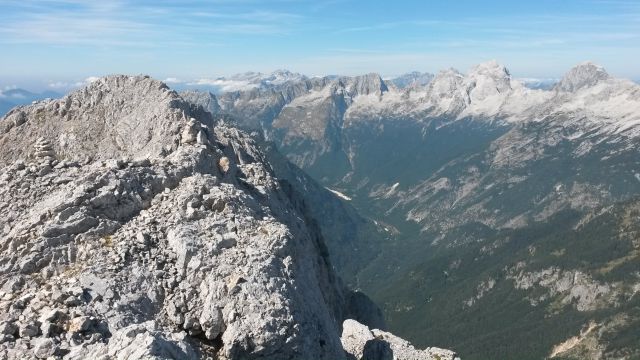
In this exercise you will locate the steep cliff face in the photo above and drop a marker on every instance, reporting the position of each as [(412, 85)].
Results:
[(135, 226)]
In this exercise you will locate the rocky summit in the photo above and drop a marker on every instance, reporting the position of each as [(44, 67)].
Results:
[(137, 226)]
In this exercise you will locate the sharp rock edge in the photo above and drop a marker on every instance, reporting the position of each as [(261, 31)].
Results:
[(136, 226)]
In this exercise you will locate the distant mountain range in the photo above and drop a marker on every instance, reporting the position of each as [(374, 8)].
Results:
[(257, 80), (13, 97), (509, 206), (539, 84), (412, 79), (239, 82)]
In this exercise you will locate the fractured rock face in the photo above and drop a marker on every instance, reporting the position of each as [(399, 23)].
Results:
[(138, 254), (580, 76), (192, 251), (362, 343), (114, 117)]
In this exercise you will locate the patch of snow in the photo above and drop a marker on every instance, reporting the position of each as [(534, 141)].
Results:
[(339, 194)]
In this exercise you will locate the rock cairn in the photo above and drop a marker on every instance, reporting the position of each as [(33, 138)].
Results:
[(44, 150)]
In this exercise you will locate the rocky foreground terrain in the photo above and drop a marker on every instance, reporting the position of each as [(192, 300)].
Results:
[(134, 225)]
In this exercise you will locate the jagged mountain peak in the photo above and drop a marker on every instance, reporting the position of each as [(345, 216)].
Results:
[(585, 74), (412, 79), (490, 68), (488, 80), (276, 77), (284, 72), (97, 121), (490, 71), (206, 99), (139, 85), (446, 80), (370, 83), (124, 80), (487, 91), (282, 76)]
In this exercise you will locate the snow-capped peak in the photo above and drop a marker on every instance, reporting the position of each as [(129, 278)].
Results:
[(583, 75), (486, 92), (489, 79), (412, 80), (491, 69), (247, 81), (277, 77), (367, 84), (282, 76), (446, 82)]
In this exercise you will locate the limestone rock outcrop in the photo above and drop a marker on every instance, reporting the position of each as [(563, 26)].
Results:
[(583, 75), (114, 117), (154, 232), (360, 342)]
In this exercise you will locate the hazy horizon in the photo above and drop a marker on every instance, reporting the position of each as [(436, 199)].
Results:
[(59, 43), (64, 85)]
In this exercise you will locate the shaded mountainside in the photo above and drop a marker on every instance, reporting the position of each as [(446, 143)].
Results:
[(499, 202), (136, 225), (521, 293)]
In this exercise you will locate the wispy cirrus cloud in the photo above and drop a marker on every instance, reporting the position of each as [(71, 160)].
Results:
[(133, 23), (195, 39), (540, 35)]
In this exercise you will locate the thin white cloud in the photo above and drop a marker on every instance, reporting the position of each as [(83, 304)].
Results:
[(224, 85), (155, 33), (252, 15), (127, 23), (518, 31), (63, 85), (394, 24), (59, 85)]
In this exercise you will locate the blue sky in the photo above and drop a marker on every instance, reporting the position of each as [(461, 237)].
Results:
[(61, 42)]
